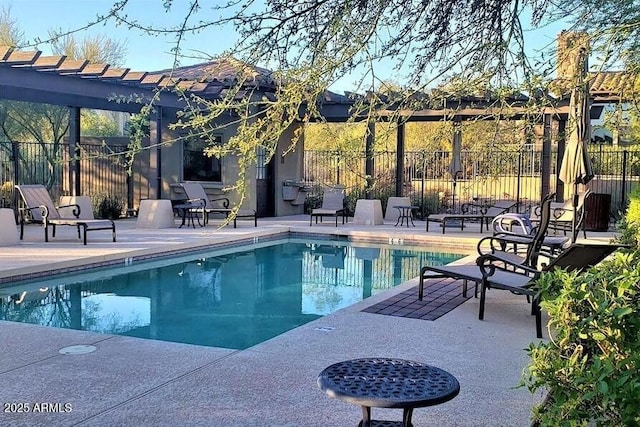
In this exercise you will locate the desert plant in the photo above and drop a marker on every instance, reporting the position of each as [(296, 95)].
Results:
[(629, 226), (590, 365), (6, 193), (107, 206)]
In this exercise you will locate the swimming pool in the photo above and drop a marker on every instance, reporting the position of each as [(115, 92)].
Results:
[(231, 298)]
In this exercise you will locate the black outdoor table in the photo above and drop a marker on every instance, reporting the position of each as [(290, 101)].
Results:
[(188, 212), (388, 383), (405, 213)]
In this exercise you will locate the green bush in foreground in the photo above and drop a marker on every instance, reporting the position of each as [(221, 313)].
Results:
[(590, 366)]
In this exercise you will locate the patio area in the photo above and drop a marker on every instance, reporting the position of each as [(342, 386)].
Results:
[(133, 382)]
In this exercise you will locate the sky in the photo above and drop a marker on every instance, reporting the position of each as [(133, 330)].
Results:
[(153, 52)]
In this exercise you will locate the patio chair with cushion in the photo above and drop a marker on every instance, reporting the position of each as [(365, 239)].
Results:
[(206, 206), (39, 208), (562, 215), (482, 213), (332, 205), (517, 229), (494, 245), (498, 273)]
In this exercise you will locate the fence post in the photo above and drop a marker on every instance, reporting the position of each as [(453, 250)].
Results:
[(518, 182), (623, 199), (15, 152)]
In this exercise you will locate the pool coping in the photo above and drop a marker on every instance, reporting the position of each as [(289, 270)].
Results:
[(83, 264)]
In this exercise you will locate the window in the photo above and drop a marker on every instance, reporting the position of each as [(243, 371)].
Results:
[(197, 166)]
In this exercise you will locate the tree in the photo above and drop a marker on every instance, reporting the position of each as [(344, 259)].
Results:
[(457, 46), (10, 33), (96, 49)]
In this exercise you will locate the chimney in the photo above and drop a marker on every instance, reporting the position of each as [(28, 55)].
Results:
[(570, 44)]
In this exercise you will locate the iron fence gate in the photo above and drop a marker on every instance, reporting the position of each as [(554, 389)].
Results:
[(484, 176), (102, 169)]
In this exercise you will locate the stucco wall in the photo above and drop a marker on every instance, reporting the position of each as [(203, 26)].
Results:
[(288, 167)]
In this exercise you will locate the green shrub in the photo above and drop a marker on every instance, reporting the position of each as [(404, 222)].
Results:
[(107, 206), (430, 204), (590, 366), (629, 226), (6, 193)]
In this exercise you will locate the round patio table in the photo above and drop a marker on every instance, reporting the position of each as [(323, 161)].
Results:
[(405, 213), (388, 383)]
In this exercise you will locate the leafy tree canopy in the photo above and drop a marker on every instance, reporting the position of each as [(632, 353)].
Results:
[(457, 45)]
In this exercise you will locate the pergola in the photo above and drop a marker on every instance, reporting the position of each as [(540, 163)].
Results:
[(31, 76)]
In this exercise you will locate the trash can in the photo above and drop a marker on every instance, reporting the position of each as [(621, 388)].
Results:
[(597, 207)]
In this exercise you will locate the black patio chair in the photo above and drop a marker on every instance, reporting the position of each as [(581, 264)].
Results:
[(498, 273), (494, 245)]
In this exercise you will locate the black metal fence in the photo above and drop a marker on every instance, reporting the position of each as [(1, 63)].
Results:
[(485, 176), (102, 169)]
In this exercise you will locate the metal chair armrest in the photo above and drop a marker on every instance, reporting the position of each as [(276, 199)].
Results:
[(75, 211), (224, 200)]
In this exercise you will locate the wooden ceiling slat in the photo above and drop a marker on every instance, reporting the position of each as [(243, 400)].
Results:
[(192, 86), (4, 52), (134, 76), (167, 81), (49, 61), (152, 79), (23, 58), (71, 66), (115, 73), (92, 70)]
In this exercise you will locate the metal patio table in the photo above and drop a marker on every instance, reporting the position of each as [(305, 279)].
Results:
[(388, 383)]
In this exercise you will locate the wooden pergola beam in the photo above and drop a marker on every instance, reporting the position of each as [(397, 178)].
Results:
[(48, 62), (17, 57)]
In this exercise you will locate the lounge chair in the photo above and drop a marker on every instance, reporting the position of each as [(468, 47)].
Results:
[(517, 229), (39, 208), (483, 213), (562, 215), (490, 244), (497, 273), (332, 205), (205, 206)]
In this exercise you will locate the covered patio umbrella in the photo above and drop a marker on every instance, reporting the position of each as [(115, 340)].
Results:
[(576, 166), (455, 166)]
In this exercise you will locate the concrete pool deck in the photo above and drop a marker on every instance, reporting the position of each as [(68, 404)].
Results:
[(138, 382)]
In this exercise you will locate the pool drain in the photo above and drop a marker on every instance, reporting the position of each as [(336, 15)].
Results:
[(77, 349)]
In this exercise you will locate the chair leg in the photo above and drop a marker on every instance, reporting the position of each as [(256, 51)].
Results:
[(483, 291), (538, 314)]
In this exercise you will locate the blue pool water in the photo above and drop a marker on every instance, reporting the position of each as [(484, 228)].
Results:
[(232, 298)]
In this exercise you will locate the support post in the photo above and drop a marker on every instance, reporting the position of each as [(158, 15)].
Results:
[(155, 156), (562, 141), (546, 157), (74, 151), (369, 162), (400, 143)]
